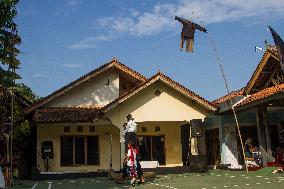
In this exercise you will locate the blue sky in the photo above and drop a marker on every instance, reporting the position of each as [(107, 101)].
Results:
[(65, 39)]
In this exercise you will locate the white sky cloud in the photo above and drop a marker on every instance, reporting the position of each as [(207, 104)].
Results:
[(69, 7), (70, 65), (162, 15), (39, 75), (90, 42)]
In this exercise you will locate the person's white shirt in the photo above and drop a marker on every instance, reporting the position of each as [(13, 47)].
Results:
[(131, 126)]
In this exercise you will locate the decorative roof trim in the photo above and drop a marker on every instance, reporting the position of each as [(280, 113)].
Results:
[(267, 54)]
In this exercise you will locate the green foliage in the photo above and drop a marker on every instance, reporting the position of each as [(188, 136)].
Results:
[(22, 94), (9, 37), (27, 93), (9, 40)]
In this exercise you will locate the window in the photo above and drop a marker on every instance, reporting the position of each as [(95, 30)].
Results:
[(79, 129), (66, 150), (124, 87), (93, 153), (66, 129), (157, 129), (92, 128), (79, 150), (144, 129), (107, 83)]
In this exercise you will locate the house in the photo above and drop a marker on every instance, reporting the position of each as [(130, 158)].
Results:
[(83, 120), (260, 113)]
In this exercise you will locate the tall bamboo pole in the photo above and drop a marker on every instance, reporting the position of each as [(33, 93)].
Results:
[(228, 93)]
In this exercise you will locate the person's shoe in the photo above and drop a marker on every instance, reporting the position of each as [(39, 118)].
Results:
[(141, 182), (132, 182)]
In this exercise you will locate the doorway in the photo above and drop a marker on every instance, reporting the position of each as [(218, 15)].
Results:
[(213, 146), (152, 148)]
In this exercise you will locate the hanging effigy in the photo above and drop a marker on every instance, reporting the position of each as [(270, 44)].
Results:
[(187, 33)]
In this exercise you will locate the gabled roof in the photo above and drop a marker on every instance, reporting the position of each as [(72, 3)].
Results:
[(237, 93), (261, 95), (166, 80), (114, 63), (263, 70)]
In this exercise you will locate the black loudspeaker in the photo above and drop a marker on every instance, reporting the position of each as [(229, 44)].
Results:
[(47, 150), (196, 128)]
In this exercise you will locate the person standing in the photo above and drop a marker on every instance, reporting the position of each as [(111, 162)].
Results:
[(129, 132), (132, 167)]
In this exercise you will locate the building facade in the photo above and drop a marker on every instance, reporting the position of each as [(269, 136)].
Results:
[(83, 120)]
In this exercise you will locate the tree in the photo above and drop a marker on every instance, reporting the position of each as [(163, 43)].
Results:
[(9, 40), (13, 96)]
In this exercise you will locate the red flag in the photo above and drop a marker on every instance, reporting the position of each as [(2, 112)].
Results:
[(279, 45)]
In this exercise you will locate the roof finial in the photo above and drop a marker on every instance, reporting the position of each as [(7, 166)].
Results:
[(114, 59)]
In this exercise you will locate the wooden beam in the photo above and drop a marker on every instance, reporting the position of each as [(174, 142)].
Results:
[(267, 133), (261, 135), (265, 72), (271, 77), (274, 81)]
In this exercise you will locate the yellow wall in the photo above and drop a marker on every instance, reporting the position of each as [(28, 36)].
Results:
[(93, 92), (168, 110), (53, 133), (171, 131), (170, 106)]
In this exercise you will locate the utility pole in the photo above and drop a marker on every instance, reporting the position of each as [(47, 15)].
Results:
[(12, 126)]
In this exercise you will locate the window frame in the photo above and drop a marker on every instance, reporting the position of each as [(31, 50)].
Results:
[(85, 138)]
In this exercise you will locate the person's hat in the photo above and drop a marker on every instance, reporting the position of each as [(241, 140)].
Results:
[(129, 116)]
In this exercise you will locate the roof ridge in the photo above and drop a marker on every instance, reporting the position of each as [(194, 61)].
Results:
[(232, 94), (185, 88), (270, 51)]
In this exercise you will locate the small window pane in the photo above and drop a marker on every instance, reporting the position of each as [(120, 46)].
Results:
[(80, 129), (92, 128), (66, 129)]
